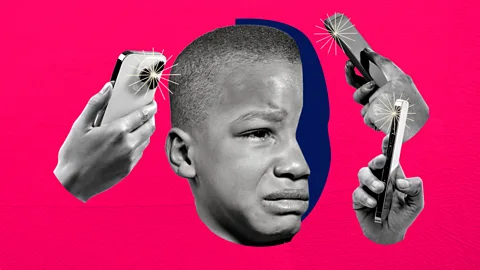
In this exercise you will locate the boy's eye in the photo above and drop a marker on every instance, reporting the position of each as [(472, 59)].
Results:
[(258, 134)]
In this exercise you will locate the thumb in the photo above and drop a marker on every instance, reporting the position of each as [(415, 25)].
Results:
[(413, 188), (94, 106)]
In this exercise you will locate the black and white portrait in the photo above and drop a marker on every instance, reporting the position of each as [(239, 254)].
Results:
[(234, 115)]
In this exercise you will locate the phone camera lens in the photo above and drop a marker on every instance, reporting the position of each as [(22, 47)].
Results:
[(151, 75)]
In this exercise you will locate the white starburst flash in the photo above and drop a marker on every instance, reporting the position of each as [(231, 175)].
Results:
[(387, 111), (334, 33), (153, 78)]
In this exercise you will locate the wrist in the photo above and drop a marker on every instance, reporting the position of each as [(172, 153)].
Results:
[(69, 179), (388, 238), (394, 238)]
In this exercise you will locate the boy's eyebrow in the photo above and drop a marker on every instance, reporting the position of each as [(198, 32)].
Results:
[(271, 116)]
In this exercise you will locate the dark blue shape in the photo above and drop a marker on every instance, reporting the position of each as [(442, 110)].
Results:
[(312, 133)]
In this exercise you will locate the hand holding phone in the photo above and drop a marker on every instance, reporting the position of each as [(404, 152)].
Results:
[(381, 81), (387, 202), (394, 148), (94, 159), (353, 44)]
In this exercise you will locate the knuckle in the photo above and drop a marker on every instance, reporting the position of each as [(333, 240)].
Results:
[(356, 96), (418, 185), (364, 110), (115, 133), (123, 128), (121, 132), (354, 195), (140, 115), (384, 61), (130, 146), (407, 79), (366, 119), (361, 197)]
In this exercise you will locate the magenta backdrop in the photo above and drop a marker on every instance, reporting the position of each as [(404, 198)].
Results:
[(56, 55)]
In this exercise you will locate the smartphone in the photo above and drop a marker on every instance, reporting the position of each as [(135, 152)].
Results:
[(353, 44), (395, 141), (136, 77)]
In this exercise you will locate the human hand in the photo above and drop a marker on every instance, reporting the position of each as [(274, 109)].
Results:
[(407, 201), (379, 102), (94, 159)]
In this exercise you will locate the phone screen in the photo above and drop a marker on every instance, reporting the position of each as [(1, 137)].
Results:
[(352, 43)]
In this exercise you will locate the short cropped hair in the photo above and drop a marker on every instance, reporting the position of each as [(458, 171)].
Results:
[(199, 64)]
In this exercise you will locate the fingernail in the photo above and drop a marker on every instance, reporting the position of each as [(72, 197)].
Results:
[(368, 88), (371, 84), (370, 202), (376, 184), (403, 184), (106, 88), (368, 49)]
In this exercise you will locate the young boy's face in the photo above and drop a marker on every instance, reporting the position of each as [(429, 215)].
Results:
[(252, 175)]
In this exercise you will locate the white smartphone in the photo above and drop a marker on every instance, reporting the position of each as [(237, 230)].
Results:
[(395, 141), (136, 77)]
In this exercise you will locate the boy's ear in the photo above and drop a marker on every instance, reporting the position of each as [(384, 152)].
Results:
[(179, 153)]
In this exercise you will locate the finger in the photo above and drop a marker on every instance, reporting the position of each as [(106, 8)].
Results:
[(144, 132), (367, 179), (98, 119), (352, 78), (94, 105), (400, 174), (362, 94), (137, 118), (362, 199), (385, 144), (364, 110), (413, 187), (378, 162), (389, 69), (410, 186), (138, 153)]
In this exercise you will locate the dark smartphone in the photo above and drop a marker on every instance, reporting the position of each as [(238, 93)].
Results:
[(353, 44), (395, 141)]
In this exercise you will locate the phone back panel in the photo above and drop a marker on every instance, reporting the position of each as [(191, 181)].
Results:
[(130, 92)]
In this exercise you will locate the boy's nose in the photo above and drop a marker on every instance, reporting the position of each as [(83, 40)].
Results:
[(293, 165)]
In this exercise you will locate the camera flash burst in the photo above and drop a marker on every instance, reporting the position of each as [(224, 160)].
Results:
[(387, 112), (150, 78), (334, 33)]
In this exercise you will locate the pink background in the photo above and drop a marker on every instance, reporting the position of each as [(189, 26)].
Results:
[(56, 55)]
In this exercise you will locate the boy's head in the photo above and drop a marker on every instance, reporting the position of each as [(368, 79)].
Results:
[(234, 113)]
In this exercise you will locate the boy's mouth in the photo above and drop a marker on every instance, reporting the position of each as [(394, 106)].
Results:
[(288, 194), (288, 201)]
